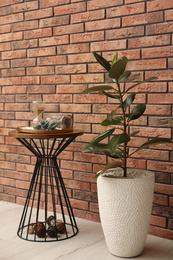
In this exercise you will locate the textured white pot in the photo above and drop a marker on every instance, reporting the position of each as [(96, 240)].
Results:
[(125, 208)]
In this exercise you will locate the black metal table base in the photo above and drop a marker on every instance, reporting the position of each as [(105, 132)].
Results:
[(47, 195)]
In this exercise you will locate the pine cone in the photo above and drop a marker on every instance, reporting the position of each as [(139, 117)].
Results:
[(31, 228), (52, 222), (49, 219), (40, 229), (52, 231), (61, 228)]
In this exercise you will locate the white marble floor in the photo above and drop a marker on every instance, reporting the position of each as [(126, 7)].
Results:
[(88, 244)]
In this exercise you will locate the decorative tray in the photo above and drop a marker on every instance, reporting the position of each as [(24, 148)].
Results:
[(31, 130)]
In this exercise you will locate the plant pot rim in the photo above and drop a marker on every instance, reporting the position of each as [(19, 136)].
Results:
[(132, 173)]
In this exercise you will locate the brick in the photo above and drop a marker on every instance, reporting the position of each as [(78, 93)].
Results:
[(17, 158), (147, 64), (162, 177), (85, 195), (98, 4), (71, 69), (149, 41), (41, 52), (87, 16), (102, 24), (9, 198), (161, 75), (74, 48), (58, 98), (159, 28), (152, 132), (13, 18), (110, 45), (6, 98), (25, 44), (158, 110), (87, 215), (9, 2), (54, 41), (91, 98), (70, 9), (85, 37), (84, 78), (158, 221), (151, 154), (125, 32), (11, 37), (161, 121), (151, 52), (76, 165), (161, 166), (75, 108), (70, 88), (125, 10), (170, 224), (159, 5), (80, 58), (162, 211), (39, 33), (10, 166), (13, 72), (142, 19), (94, 158), (160, 199), (14, 54), (52, 60), (41, 89), (5, 28), (48, 3), (23, 7), (68, 29), (25, 80), (170, 87), (79, 204), (5, 81), (5, 11), (149, 87), (88, 118), (132, 1), (168, 15), (16, 107), (54, 21), (40, 70), (38, 14), (78, 185), (22, 26), (4, 64), (171, 201), (55, 79), (23, 62)]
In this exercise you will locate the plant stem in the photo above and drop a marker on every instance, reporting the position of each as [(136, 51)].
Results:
[(125, 130)]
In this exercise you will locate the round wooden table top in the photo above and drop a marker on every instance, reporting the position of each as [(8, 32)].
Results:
[(48, 135)]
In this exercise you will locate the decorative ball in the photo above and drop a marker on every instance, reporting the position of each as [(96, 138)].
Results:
[(52, 222), (40, 229), (52, 231), (61, 228), (31, 228), (49, 219)]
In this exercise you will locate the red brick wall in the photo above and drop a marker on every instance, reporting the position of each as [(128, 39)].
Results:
[(46, 53)]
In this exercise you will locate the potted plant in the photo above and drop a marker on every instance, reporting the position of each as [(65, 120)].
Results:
[(125, 195)]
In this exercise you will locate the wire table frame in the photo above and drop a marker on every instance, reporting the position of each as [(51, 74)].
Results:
[(47, 199)]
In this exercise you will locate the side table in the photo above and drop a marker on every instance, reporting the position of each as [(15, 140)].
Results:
[(47, 215)]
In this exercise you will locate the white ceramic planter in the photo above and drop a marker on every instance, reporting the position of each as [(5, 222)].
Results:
[(125, 208)]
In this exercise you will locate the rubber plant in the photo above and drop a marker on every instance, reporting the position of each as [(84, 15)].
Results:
[(117, 148)]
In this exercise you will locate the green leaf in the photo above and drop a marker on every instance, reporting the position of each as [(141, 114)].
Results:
[(102, 136), (118, 68), (96, 88), (115, 58), (95, 147), (129, 100), (124, 76), (117, 154), (117, 140), (103, 62), (114, 121), (109, 166), (137, 111), (154, 141), (134, 133), (110, 95), (146, 80)]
